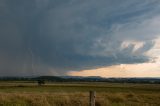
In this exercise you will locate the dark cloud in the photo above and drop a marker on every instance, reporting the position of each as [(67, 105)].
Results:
[(41, 37)]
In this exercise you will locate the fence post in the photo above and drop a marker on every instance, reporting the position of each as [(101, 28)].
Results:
[(92, 96)]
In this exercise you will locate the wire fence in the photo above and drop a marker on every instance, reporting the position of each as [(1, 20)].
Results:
[(81, 98)]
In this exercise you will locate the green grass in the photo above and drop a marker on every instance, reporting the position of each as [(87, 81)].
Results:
[(77, 94)]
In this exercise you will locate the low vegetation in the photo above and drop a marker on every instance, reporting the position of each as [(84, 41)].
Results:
[(77, 94)]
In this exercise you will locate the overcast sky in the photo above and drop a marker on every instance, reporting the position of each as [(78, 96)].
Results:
[(109, 38)]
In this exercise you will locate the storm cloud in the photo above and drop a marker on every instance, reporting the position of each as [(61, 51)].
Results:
[(52, 37)]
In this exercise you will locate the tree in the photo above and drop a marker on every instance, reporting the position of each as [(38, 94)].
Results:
[(41, 82)]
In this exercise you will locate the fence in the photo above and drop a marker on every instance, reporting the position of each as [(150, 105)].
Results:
[(92, 100)]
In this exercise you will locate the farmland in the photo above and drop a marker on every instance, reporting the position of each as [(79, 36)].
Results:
[(21, 93)]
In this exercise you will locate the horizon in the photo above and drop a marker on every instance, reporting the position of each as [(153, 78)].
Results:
[(80, 77)]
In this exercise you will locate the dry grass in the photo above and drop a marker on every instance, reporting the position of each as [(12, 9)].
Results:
[(43, 99), (77, 94), (78, 99)]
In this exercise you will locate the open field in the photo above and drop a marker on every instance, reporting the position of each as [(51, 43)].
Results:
[(77, 94)]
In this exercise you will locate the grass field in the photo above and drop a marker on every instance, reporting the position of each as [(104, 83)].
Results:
[(77, 94)]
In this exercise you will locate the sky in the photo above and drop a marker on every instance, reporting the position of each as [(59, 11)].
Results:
[(108, 38)]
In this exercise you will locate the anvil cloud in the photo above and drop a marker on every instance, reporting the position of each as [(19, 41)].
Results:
[(53, 37)]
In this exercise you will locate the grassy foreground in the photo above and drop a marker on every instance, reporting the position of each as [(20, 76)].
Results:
[(77, 94)]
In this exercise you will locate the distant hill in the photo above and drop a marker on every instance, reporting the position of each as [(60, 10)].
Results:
[(83, 79)]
